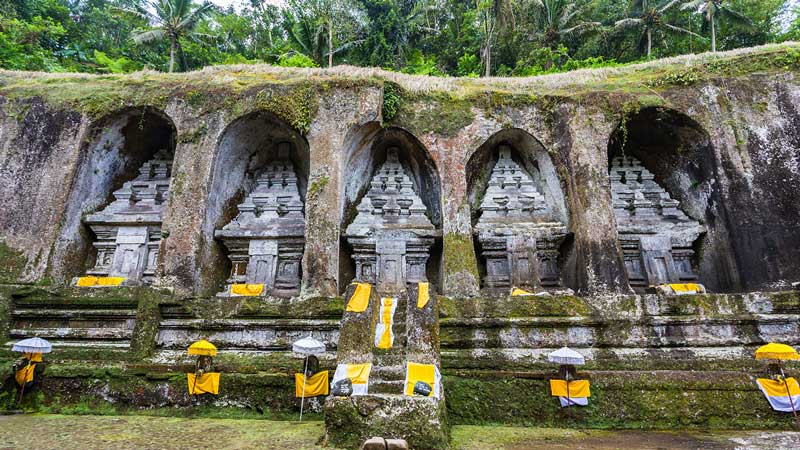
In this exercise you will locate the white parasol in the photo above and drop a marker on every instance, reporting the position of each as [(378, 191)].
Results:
[(307, 346), (32, 345), (565, 355)]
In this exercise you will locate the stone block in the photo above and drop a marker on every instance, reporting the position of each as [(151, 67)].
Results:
[(396, 444), (374, 443)]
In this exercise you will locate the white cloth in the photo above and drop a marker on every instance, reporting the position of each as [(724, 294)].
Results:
[(578, 401), (380, 329), (781, 403), (358, 388)]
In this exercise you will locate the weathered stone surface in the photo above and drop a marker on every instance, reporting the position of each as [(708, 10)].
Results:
[(396, 444), (374, 443)]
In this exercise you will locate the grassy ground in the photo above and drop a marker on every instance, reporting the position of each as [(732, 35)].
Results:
[(143, 432)]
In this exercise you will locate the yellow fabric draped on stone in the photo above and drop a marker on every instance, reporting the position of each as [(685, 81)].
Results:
[(775, 388), (247, 289), (423, 295), (518, 292), (91, 281), (386, 320), (316, 384), (207, 383), (420, 372), (358, 373), (360, 299), (685, 287), (25, 375), (577, 388)]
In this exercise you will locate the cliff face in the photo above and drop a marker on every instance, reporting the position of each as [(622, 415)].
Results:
[(719, 134)]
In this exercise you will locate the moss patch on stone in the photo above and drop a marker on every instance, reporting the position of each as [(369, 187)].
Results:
[(12, 264), (459, 255)]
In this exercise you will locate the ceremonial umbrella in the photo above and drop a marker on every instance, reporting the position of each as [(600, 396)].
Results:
[(200, 348), (781, 353), (566, 356), (307, 346), (32, 345)]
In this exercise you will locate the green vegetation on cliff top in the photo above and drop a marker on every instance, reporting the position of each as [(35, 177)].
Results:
[(223, 87)]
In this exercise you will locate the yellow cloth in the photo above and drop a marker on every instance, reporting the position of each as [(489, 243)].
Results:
[(316, 384), (358, 373), (517, 292), (91, 281), (420, 372), (386, 320), (34, 357), (208, 383), (775, 388), (577, 388), (247, 289), (360, 299), (777, 351), (685, 287), (25, 375), (423, 295)]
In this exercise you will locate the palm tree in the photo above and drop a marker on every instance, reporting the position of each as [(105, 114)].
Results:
[(557, 16), (651, 19), (172, 19), (710, 9)]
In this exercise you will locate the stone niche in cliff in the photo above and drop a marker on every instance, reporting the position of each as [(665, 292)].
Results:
[(519, 215), (128, 230), (391, 235), (265, 240), (656, 236), (255, 214)]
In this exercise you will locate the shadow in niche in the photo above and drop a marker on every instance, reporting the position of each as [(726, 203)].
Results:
[(679, 154), (531, 156), (118, 146), (363, 157), (245, 149)]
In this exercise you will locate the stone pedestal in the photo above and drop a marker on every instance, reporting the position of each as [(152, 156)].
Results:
[(391, 235), (655, 235), (129, 229), (266, 239), (517, 230)]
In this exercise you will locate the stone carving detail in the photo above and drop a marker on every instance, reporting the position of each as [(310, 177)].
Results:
[(266, 240), (655, 235), (391, 234), (517, 230), (129, 229)]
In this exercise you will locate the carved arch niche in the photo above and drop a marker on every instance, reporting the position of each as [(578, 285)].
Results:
[(669, 213), (391, 217), (255, 214), (113, 217), (520, 221)]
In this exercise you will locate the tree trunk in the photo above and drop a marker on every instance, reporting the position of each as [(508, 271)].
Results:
[(713, 36), (330, 44), (488, 58), (171, 53), (649, 42)]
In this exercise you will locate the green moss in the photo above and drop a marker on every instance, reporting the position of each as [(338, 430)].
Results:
[(12, 264), (392, 99), (317, 186), (194, 136), (297, 107), (459, 255), (434, 113)]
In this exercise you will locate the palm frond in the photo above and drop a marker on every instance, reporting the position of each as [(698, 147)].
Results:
[(628, 23), (668, 5), (693, 5), (582, 28), (681, 30), (735, 16), (156, 34)]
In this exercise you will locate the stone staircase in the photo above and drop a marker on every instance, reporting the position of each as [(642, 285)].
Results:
[(74, 318), (389, 365)]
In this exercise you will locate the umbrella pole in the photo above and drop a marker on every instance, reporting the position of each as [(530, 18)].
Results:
[(789, 393), (196, 369), (303, 398)]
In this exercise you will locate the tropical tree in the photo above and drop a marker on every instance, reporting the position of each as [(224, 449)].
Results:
[(494, 15), (322, 28), (172, 19), (650, 19), (558, 19), (710, 9)]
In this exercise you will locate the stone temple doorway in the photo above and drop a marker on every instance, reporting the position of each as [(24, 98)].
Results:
[(519, 216), (113, 219), (671, 223), (256, 207), (391, 220)]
